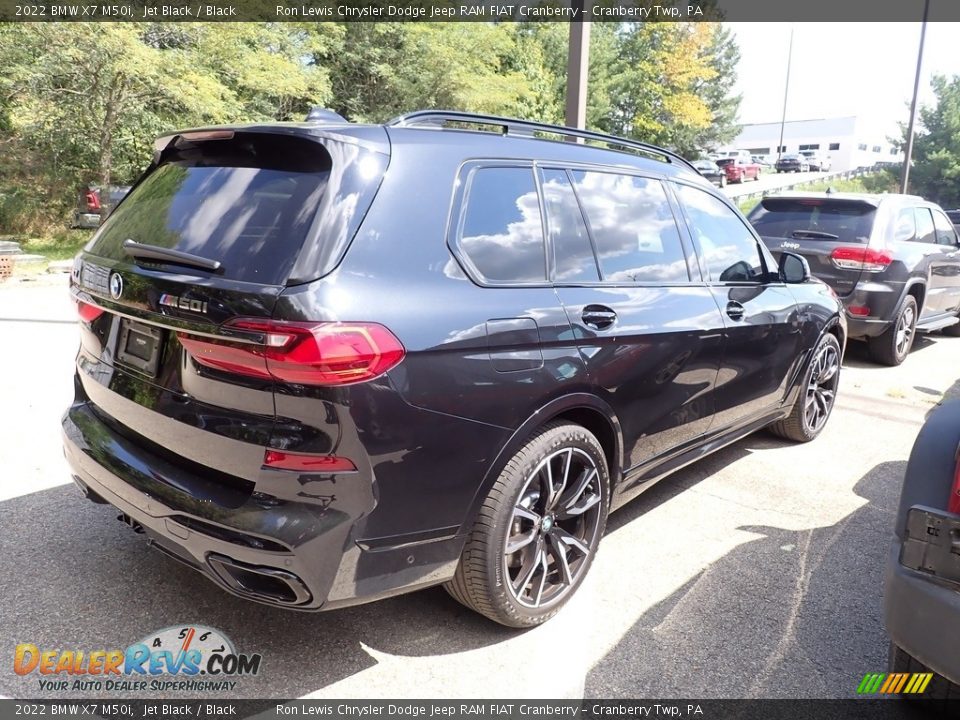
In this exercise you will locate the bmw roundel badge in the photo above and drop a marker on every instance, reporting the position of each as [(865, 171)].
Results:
[(116, 286)]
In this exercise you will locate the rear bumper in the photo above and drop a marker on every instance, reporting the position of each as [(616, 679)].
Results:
[(861, 328), (919, 612), (296, 551), (86, 220), (882, 298)]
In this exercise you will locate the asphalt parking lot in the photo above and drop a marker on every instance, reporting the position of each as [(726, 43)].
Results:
[(754, 573)]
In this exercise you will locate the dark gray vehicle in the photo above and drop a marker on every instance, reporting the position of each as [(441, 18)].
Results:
[(712, 172), (922, 597), (324, 363), (95, 202), (894, 261), (792, 163)]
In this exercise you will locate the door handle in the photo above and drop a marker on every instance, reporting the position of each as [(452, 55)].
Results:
[(735, 310), (598, 316)]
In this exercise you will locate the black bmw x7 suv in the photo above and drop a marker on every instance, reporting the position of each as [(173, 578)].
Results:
[(325, 363)]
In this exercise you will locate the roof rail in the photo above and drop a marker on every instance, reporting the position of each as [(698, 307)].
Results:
[(529, 128)]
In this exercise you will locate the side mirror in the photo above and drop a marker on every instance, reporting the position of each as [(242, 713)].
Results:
[(793, 268)]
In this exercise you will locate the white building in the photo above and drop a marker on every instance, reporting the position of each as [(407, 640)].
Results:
[(850, 142)]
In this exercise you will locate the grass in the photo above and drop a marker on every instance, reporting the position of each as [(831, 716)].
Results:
[(59, 245)]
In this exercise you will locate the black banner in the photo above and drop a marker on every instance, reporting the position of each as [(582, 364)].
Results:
[(867, 709), (475, 10)]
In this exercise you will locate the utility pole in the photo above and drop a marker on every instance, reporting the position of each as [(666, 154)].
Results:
[(905, 174), (578, 63), (786, 91)]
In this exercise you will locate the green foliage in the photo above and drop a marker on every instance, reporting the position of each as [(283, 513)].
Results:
[(935, 172), (82, 102), (885, 180)]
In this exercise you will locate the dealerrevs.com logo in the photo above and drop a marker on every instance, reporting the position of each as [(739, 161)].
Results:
[(183, 658)]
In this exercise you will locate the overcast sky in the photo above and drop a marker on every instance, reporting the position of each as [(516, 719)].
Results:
[(863, 69)]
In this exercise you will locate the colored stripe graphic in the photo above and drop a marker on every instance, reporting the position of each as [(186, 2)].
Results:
[(894, 683)]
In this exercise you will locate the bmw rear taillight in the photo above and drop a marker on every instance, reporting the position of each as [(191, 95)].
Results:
[(954, 504), (861, 258), (93, 201), (334, 353), (87, 312)]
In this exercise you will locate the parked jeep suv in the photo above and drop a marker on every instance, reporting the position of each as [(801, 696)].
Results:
[(324, 363), (894, 260)]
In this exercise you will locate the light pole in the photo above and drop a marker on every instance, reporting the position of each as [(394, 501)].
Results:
[(786, 91), (905, 174)]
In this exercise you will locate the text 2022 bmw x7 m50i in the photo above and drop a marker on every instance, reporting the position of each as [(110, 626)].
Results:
[(324, 363)]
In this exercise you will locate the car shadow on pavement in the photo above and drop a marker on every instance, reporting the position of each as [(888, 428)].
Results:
[(794, 614), (857, 355), (686, 478), (75, 578)]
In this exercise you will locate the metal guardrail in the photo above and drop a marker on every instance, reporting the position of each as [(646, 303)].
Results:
[(843, 175)]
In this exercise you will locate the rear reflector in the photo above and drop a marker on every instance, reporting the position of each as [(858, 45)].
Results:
[(858, 310), (954, 504), (307, 463), (301, 353), (861, 258), (88, 313)]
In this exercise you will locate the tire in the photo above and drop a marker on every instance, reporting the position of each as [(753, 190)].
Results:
[(892, 347), (817, 395), (554, 545), (940, 688), (757, 176), (723, 181)]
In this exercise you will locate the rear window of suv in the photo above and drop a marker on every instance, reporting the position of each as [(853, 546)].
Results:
[(248, 201), (814, 219)]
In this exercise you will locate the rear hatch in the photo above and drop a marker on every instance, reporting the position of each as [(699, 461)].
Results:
[(174, 289), (833, 234)]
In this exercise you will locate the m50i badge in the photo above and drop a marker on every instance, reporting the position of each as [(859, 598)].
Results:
[(181, 303)]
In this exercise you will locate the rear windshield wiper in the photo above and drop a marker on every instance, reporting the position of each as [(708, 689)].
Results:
[(139, 251), (819, 234)]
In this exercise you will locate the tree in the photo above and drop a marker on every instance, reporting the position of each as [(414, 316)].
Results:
[(935, 173), (666, 83), (89, 98), (380, 70)]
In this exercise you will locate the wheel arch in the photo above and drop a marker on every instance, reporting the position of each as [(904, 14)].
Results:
[(917, 288), (584, 409)]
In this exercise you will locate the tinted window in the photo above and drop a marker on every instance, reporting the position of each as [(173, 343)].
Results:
[(633, 228), (571, 245), (944, 228), (925, 229), (906, 226), (247, 203), (502, 231), (813, 219), (730, 250)]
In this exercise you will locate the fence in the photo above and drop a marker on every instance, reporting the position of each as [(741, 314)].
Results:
[(825, 177)]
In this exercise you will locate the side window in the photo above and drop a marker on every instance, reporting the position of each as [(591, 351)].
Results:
[(571, 243), (925, 229), (946, 235), (502, 233), (633, 228), (728, 247), (906, 227)]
